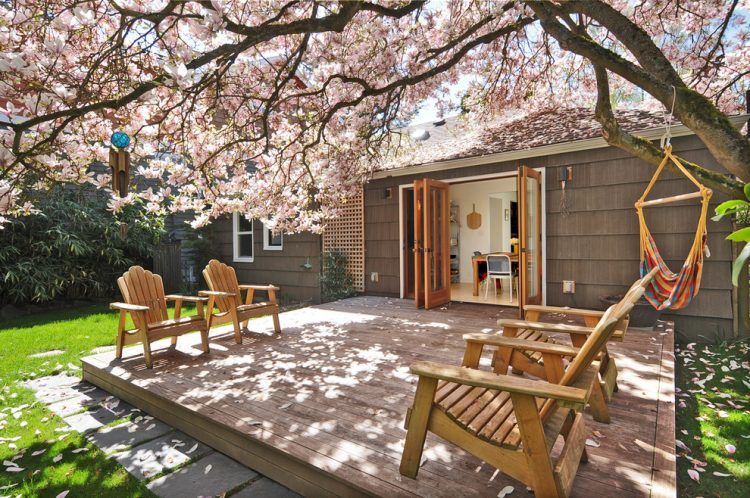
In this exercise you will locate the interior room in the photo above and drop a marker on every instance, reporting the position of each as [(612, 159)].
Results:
[(484, 227)]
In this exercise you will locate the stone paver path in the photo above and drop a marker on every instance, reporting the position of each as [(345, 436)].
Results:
[(171, 463)]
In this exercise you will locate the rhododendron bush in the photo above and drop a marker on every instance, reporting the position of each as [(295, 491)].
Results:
[(280, 109)]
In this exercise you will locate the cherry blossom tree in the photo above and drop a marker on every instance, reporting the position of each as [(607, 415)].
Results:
[(281, 108)]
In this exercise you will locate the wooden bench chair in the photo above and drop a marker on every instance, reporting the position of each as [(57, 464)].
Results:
[(511, 422), (518, 354), (540, 331), (225, 294), (143, 293)]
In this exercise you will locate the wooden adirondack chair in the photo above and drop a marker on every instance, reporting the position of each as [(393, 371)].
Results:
[(225, 294), (510, 422), (519, 354), (578, 335), (144, 297)]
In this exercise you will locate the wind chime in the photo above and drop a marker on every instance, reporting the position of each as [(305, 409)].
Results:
[(119, 162)]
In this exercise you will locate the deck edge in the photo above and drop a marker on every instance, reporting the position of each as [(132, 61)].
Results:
[(298, 476), (664, 469)]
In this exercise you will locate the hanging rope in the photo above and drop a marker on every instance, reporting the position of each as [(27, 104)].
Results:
[(666, 139), (669, 289)]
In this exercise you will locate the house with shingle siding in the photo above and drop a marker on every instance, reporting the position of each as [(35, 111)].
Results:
[(588, 228)]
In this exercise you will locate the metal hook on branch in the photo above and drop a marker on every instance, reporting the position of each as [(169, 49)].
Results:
[(666, 139)]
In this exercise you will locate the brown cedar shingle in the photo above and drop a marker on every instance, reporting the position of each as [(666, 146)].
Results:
[(457, 139)]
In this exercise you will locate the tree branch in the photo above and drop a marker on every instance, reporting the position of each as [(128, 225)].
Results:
[(697, 112), (645, 149)]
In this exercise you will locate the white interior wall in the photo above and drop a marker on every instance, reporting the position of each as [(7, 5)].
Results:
[(478, 193), (499, 226), (497, 223)]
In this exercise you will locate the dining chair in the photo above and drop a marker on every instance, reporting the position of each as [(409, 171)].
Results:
[(498, 268)]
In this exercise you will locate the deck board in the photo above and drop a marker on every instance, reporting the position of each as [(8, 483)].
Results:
[(321, 407)]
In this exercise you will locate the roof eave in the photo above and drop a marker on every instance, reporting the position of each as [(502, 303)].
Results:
[(543, 150)]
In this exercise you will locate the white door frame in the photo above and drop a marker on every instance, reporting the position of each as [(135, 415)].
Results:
[(464, 179)]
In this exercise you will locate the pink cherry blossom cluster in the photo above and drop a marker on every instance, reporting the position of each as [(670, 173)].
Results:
[(281, 110)]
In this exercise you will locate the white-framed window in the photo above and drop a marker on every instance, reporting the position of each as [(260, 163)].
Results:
[(242, 238), (272, 242)]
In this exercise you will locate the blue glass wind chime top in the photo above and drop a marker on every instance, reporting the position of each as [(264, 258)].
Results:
[(120, 139)]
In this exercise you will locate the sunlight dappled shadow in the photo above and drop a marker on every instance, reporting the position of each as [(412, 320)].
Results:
[(333, 388)]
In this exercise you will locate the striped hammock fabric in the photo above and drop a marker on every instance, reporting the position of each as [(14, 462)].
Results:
[(669, 290)]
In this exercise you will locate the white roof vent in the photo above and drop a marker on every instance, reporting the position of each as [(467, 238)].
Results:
[(420, 135)]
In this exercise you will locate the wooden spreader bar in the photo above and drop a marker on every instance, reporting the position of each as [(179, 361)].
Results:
[(674, 198)]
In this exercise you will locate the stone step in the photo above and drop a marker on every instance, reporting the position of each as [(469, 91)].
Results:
[(265, 488), (147, 447), (212, 475), (154, 457), (128, 434), (91, 420)]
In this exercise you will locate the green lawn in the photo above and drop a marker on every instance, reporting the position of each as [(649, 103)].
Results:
[(713, 415), (56, 467)]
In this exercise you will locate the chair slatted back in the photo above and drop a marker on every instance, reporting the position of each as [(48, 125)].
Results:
[(615, 317), (593, 345), (649, 277), (602, 333), (222, 278), (141, 287), (622, 323)]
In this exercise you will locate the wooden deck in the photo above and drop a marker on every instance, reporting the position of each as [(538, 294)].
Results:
[(321, 407)]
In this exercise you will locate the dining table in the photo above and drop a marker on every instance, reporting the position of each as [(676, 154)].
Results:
[(482, 258)]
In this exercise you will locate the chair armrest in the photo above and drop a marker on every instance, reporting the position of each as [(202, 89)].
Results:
[(563, 310), (258, 287), (522, 344), (216, 293), (569, 397), (543, 327), (561, 328), (190, 299), (127, 307)]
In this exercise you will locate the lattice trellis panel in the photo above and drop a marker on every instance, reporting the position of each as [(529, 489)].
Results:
[(347, 235)]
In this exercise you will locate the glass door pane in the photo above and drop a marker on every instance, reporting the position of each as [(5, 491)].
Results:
[(408, 246), (436, 243), (436, 254), (417, 247), (532, 234), (530, 214)]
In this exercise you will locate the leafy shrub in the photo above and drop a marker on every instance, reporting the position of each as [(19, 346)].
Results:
[(740, 209), (72, 248), (335, 283)]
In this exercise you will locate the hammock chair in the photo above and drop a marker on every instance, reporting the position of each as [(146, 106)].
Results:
[(669, 289)]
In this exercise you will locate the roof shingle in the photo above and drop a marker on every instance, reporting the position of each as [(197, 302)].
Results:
[(458, 139)]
